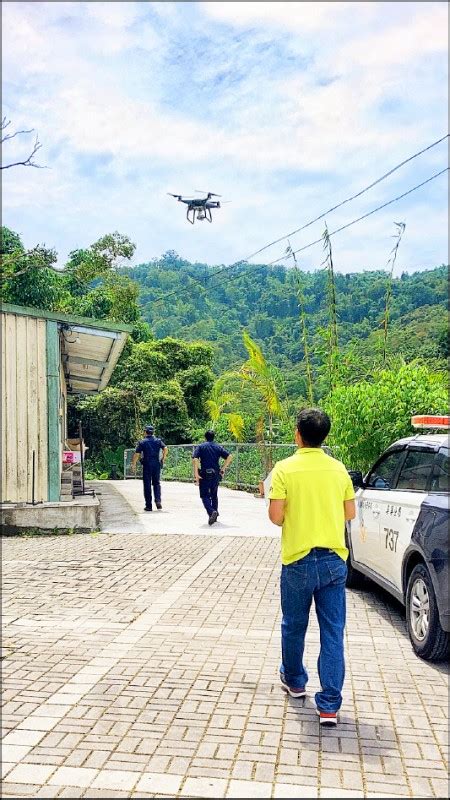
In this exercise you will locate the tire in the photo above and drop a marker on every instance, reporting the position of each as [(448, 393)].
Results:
[(427, 636)]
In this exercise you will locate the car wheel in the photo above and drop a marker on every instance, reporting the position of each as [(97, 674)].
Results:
[(428, 639)]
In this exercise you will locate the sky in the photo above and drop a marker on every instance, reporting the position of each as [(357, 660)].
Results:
[(284, 109)]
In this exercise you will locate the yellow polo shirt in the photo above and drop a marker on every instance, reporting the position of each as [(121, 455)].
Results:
[(314, 486)]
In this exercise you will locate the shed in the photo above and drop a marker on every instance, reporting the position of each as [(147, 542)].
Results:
[(45, 357)]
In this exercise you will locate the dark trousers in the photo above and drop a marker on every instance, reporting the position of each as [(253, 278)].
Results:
[(208, 494), (151, 477)]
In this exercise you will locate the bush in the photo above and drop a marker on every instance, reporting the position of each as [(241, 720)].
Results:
[(368, 416)]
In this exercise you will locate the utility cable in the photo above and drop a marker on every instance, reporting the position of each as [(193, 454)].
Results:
[(180, 292), (364, 216), (321, 216), (349, 199)]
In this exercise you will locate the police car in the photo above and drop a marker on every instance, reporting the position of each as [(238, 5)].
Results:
[(400, 536)]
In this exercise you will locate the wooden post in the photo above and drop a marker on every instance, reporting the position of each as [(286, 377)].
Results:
[(54, 445)]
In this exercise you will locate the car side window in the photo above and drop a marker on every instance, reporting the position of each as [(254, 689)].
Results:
[(382, 476), (440, 480), (416, 470)]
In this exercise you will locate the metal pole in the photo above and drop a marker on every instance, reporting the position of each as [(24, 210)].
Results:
[(237, 466), (80, 436), (33, 477)]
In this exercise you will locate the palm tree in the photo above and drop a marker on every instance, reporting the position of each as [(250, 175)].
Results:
[(265, 380), (219, 400)]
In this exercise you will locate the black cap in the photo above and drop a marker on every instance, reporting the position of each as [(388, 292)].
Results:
[(149, 429)]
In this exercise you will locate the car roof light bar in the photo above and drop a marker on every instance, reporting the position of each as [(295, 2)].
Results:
[(430, 421)]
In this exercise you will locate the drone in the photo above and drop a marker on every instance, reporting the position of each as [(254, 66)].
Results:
[(199, 208)]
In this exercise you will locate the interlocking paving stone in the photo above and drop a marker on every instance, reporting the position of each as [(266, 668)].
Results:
[(156, 657)]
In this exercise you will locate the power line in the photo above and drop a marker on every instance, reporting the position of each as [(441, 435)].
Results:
[(311, 222), (349, 199), (179, 292), (364, 216)]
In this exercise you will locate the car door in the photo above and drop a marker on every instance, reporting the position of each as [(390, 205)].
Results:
[(365, 529), (400, 509)]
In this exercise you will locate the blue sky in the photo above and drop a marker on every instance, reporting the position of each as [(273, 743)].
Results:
[(283, 108)]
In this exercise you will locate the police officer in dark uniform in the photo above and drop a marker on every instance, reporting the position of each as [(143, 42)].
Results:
[(153, 453), (208, 473)]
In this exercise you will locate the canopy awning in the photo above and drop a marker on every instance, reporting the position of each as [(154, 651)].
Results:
[(89, 356)]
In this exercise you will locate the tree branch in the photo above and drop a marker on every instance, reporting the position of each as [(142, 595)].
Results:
[(27, 162)]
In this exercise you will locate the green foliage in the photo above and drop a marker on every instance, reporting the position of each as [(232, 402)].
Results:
[(30, 279), (115, 299), (109, 418), (264, 301), (10, 242), (196, 383), (107, 462), (266, 381), (97, 261), (165, 407), (369, 415)]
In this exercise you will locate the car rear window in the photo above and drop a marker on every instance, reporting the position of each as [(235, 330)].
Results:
[(440, 479), (416, 471)]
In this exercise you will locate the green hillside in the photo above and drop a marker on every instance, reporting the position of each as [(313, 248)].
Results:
[(263, 300)]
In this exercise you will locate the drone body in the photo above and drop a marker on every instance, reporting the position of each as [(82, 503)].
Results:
[(199, 208)]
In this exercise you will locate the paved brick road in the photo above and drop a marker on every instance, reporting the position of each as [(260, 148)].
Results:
[(146, 666)]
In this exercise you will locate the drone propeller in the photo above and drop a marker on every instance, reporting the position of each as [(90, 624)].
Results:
[(178, 196), (212, 194)]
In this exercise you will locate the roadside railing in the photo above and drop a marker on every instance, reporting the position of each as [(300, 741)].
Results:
[(251, 463)]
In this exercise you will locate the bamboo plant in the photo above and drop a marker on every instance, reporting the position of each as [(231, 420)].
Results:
[(301, 307)]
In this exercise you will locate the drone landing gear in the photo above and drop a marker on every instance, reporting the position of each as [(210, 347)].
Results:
[(193, 215)]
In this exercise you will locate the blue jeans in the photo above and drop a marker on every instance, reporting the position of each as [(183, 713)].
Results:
[(208, 494), (321, 574)]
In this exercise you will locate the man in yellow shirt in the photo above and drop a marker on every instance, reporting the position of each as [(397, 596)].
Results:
[(311, 497)]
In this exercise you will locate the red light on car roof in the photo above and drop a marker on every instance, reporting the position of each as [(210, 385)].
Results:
[(430, 421)]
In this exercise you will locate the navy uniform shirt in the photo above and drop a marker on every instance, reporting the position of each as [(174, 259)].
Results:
[(209, 454), (150, 448)]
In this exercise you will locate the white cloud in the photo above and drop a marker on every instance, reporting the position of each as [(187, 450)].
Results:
[(286, 115)]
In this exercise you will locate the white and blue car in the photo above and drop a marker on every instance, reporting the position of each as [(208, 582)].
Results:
[(400, 536)]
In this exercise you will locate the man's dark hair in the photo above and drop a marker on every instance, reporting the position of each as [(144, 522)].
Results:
[(313, 425), (209, 436)]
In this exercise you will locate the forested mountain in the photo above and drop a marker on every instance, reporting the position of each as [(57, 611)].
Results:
[(187, 301)]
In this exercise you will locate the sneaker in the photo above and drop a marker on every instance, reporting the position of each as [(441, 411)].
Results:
[(148, 509), (213, 518), (293, 691), (327, 718), (159, 506)]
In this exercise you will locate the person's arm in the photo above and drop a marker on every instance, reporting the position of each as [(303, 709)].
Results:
[(226, 464), (136, 455), (349, 501), (197, 476), (165, 450), (349, 510), (277, 496), (276, 512)]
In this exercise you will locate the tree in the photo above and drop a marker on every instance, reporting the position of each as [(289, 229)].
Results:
[(265, 380), (30, 277), (106, 255), (6, 137), (369, 415), (221, 399)]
